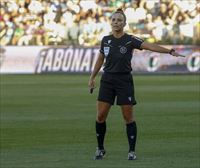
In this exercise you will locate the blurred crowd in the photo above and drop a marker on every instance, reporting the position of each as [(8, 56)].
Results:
[(85, 22)]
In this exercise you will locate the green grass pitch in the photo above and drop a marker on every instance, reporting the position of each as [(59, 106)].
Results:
[(47, 121)]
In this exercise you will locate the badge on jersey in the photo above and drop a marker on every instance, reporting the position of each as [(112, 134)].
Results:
[(123, 50), (106, 50)]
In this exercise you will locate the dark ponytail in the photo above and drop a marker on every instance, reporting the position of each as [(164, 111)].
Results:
[(119, 10)]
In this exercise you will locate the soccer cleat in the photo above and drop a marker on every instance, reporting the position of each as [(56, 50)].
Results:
[(99, 154), (131, 155)]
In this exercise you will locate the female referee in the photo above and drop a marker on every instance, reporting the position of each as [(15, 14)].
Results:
[(116, 81)]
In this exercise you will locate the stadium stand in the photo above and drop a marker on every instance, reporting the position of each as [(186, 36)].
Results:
[(84, 23)]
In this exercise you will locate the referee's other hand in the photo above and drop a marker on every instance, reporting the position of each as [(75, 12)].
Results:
[(91, 84), (175, 54)]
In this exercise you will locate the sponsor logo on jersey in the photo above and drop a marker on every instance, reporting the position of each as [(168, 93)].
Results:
[(106, 50), (123, 50), (109, 41)]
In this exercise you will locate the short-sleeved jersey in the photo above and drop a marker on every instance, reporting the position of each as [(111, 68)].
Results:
[(118, 52)]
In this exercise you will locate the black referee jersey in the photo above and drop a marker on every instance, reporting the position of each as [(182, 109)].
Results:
[(118, 52)]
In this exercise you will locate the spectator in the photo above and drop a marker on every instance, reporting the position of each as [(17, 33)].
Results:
[(37, 22)]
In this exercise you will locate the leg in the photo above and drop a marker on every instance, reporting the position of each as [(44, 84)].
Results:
[(131, 129), (106, 98), (127, 111), (102, 112)]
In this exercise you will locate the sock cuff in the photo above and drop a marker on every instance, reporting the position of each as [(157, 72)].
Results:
[(132, 123), (103, 123)]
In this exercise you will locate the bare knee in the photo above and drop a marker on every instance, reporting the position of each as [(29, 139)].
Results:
[(102, 111), (101, 116), (127, 112), (128, 119)]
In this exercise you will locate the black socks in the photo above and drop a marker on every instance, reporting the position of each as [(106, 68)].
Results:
[(131, 130), (100, 133)]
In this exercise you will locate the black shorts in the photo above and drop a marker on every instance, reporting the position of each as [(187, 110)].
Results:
[(117, 85)]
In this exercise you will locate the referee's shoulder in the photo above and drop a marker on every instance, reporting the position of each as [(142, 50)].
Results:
[(136, 38), (131, 36), (106, 37)]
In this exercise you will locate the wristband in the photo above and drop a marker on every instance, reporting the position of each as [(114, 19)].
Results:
[(172, 50)]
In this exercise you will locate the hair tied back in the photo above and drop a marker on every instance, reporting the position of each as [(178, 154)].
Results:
[(120, 10)]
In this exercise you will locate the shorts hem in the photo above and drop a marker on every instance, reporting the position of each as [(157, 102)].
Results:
[(120, 104), (106, 101)]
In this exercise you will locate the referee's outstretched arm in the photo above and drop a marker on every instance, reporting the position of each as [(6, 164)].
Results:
[(160, 49)]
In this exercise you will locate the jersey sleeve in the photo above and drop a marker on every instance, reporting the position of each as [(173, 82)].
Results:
[(101, 47), (137, 42)]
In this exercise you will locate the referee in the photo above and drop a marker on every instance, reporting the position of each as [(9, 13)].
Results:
[(116, 81)]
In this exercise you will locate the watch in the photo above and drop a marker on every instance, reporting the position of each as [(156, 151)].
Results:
[(172, 50)]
